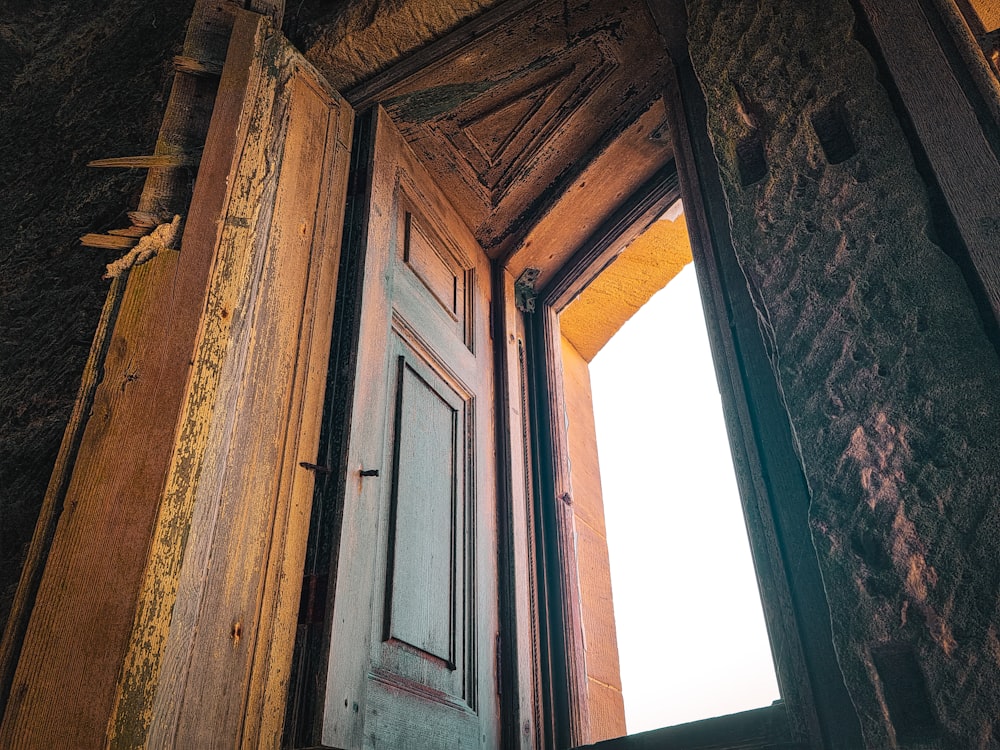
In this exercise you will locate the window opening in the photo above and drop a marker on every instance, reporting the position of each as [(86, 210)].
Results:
[(639, 380)]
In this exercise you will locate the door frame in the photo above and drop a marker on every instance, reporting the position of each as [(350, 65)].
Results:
[(540, 641)]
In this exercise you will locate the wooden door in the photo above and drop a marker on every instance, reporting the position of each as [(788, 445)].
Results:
[(412, 659), (210, 650)]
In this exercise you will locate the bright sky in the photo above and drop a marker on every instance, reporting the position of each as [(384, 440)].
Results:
[(691, 633)]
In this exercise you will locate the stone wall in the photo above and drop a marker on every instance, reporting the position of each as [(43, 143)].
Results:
[(892, 384), (78, 81)]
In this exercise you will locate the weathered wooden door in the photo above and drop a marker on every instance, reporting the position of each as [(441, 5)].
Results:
[(412, 660)]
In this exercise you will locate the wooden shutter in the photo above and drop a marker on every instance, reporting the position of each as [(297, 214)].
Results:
[(211, 646)]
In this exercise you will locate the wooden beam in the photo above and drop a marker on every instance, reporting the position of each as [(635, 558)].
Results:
[(952, 135)]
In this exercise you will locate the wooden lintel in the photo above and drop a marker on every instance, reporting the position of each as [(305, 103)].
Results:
[(151, 161)]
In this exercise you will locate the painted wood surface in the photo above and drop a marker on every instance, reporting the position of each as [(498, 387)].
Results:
[(412, 659), (521, 688), (565, 573), (165, 192), (223, 580)]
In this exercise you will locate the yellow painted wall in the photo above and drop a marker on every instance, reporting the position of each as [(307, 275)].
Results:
[(643, 269)]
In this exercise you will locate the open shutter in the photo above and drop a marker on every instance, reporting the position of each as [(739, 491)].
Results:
[(211, 646)]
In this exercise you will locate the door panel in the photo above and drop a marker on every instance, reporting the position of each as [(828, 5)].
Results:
[(423, 610), (411, 655)]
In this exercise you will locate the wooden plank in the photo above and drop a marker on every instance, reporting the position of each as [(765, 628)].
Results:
[(642, 208), (258, 372), (86, 598), (185, 121), (509, 118), (149, 161), (132, 231), (166, 192), (194, 67), (202, 234), (55, 494), (965, 165), (266, 702), (633, 173), (970, 38), (553, 401), (395, 676), (108, 241)]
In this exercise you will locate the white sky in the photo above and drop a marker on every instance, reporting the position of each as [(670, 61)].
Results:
[(691, 633)]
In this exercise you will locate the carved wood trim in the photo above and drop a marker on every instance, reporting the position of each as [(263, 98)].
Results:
[(568, 665)]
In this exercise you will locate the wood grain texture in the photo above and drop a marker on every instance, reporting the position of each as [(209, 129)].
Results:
[(165, 192), (521, 698), (508, 116), (85, 603), (55, 494), (568, 580), (235, 514), (965, 165), (137, 685), (605, 220), (972, 42), (265, 706), (426, 521)]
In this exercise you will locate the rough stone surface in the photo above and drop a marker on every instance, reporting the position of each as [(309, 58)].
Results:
[(640, 271), (892, 386), (78, 81)]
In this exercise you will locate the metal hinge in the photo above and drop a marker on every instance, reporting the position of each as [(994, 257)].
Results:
[(524, 290)]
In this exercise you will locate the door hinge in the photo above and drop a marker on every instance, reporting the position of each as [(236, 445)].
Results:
[(312, 605), (524, 290)]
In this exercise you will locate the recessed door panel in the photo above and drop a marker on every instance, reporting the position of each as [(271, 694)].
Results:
[(426, 518), (435, 273)]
